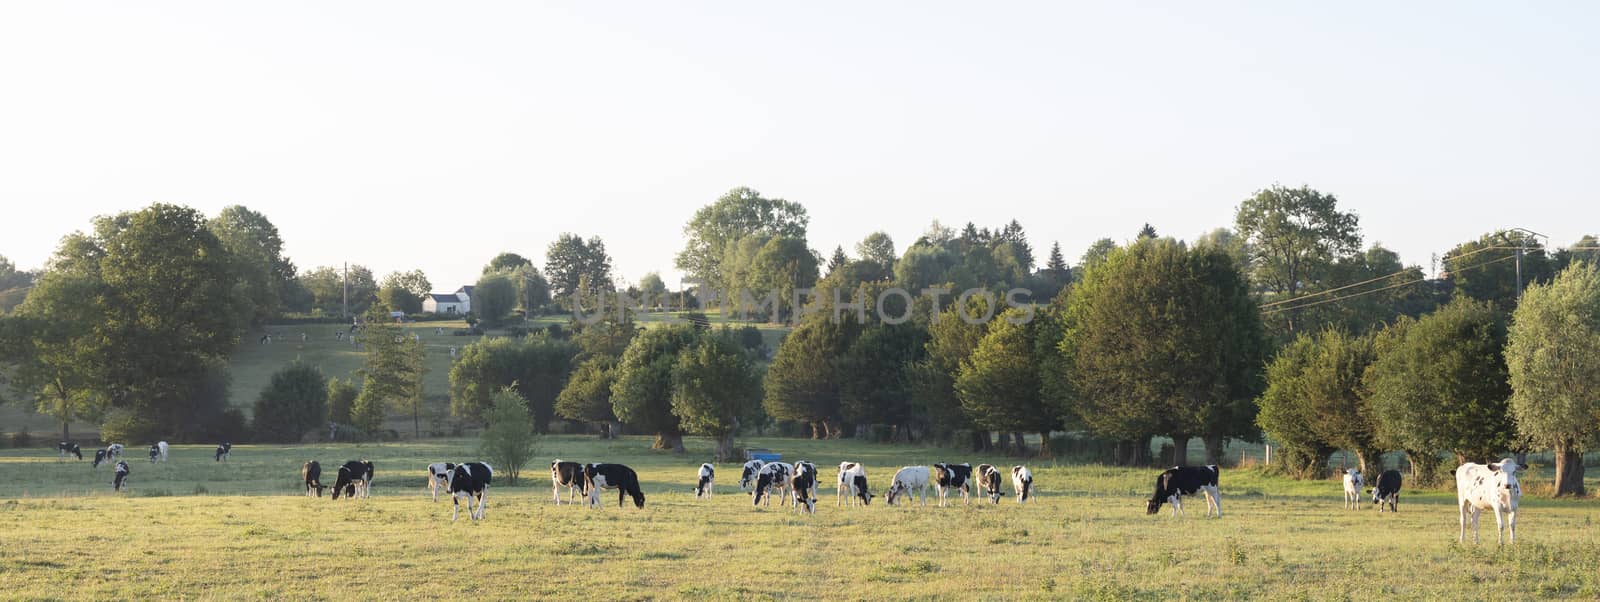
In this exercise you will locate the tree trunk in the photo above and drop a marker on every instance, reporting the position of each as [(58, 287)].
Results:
[(66, 434), (1003, 442), (725, 448), (1569, 471), (1424, 466), (416, 420), (671, 441), (1371, 461), (1180, 450), (1044, 445), (1141, 451), (1021, 444), (816, 430), (1215, 445), (613, 429)]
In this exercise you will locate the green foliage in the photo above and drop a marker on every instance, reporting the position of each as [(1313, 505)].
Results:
[(508, 443), (263, 274), (14, 285), (571, 261), (1315, 401), (1294, 235), (951, 341), (1096, 253), (341, 399), (1439, 383), (126, 426), (875, 386), (1553, 359), (493, 298), (392, 377), (715, 384), (587, 396), (506, 262), (738, 214), (1285, 415), (642, 393), (294, 402), (803, 383), (999, 384), (326, 287), (1486, 269), (877, 247), (404, 291), (537, 366), (652, 288)]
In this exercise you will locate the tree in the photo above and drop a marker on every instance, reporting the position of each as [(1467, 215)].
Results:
[(506, 262), (341, 396), (951, 341), (999, 384), (1284, 415), (1294, 234), (875, 386), (1147, 232), (508, 443), (783, 265), (739, 213), (1315, 402), (327, 288), (263, 272), (49, 349), (392, 376), (1553, 358), (493, 298), (537, 366), (1486, 269), (877, 247), (533, 291), (404, 291), (802, 383), (642, 393), (1057, 264), (295, 401), (587, 396), (570, 261), (1439, 383), (652, 289), (1096, 253), (14, 285), (838, 259), (1587, 250), (715, 384)]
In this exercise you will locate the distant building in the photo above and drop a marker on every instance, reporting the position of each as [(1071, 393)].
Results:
[(458, 302)]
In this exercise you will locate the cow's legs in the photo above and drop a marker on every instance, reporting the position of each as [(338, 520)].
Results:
[(1511, 525), (483, 501), (1461, 509), (455, 507), (1215, 495)]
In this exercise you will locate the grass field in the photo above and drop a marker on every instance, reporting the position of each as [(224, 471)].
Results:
[(193, 528)]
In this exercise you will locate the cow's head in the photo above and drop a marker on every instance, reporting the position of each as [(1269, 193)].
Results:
[(895, 489), (1505, 482), (762, 483), (748, 476)]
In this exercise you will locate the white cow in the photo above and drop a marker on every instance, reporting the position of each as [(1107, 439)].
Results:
[(1352, 489), (1493, 488), (908, 479)]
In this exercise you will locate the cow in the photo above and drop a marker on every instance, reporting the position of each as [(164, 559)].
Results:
[(355, 480), (121, 478), (1494, 488), (952, 476), (99, 458), (68, 448), (853, 484), (158, 451), (1180, 481), (805, 487), (569, 475), (747, 478), (470, 480), (1022, 480), (908, 479), (707, 478), (612, 476), (114, 451), (1387, 491), (439, 478), (311, 473), (776, 476), (1352, 489), (989, 482), (223, 449)]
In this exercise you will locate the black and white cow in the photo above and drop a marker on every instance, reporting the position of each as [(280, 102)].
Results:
[(1387, 491), (439, 478), (311, 473), (1022, 480), (747, 478), (355, 480), (612, 476), (706, 478), (805, 486), (1491, 487), (100, 457), (947, 477), (121, 478), (988, 478), (470, 480), (905, 481), (1180, 481), (222, 451), (1352, 489), (853, 484), (114, 451), (777, 477), (158, 451), (68, 448), (569, 475)]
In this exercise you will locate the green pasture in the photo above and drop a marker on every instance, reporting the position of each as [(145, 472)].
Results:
[(196, 529)]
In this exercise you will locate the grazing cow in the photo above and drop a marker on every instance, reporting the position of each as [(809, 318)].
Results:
[(805, 486), (908, 479), (747, 478), (1180, 481), (1387, 491), (853, 484), (707, 477), (121, 479), (311, 472), (114, 451), (99, 458), (439, 478), (222, 451), (355, 480), (612, 476), (1352, 489), (777, 476), (1022, 480), (158, 451), (68, 448), (470, 480), (569, 475), (1494, 488), (952, 476), (989, 482)]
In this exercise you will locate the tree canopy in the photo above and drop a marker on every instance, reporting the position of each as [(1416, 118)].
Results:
[(1553, 359)]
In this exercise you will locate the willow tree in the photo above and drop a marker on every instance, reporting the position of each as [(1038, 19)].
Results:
[(1553, 356)]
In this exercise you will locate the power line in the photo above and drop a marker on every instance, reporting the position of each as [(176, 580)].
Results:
[(1334, 290), (1394, 286)]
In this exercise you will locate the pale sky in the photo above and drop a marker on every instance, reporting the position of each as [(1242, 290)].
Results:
[(433, 135)]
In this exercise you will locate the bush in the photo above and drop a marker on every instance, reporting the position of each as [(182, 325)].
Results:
[(295, 401), (508, 443), (341, 398), (227, 425), (21, 439), (123, 426)]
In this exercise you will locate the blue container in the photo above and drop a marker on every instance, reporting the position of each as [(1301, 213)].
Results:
[(765, 456)]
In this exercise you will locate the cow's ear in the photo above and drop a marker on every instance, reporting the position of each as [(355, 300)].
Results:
[(1494, 467)]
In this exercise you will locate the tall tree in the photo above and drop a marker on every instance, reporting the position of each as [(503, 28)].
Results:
[(587, 396), (875, 386), (295, 401), (508, 443), (263, 272), (838, 259), (403, 291), (737, 214), (1587, 250), (1486, 269), (1000, 385), (538, 366), (802, 384), (571, 260), (951, 341), (1096, 253), (1439, 384), (493, 297), (642, 393), (506, 262), (878, 247), (715, 385), (1294, 234), (391, 377), (1286, 418), (1056, 263), (1553, 357), (1315, 401), (652, 289), (341, 399)]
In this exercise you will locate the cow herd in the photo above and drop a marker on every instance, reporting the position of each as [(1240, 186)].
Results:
[(111, 455)]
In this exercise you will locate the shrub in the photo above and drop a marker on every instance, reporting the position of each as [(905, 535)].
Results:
[(341, 397), (21, 439), (508, 442), (295, 401), (123, 426)]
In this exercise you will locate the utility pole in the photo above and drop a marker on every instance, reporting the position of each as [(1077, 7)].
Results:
[(346, 311)]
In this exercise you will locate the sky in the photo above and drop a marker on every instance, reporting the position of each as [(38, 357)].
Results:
[(405, 135)]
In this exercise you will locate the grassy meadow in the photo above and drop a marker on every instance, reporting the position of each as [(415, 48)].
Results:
[(196, 529)]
